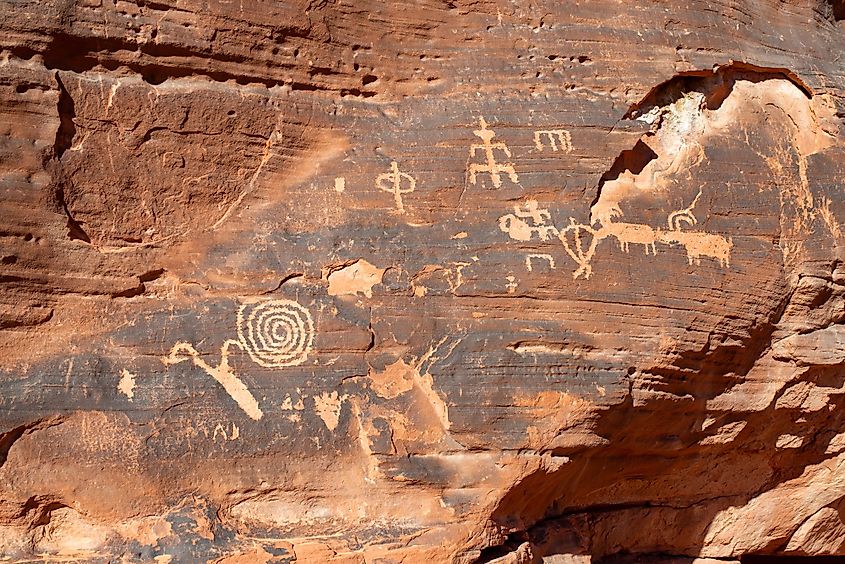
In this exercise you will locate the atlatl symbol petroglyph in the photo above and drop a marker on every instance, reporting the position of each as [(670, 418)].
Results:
[(580, 240), (392, 182), (580, 253), (557, 139), (490, 166), (275, 334)]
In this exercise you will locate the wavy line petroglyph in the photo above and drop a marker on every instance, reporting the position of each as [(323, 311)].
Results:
[(490, 166), (275, 334), (580, 241)]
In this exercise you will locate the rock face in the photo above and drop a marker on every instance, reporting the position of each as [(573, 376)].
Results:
[(464, 280)]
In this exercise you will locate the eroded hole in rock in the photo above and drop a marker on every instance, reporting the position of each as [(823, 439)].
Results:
[(632, 160), (835, 9), (714, 86)]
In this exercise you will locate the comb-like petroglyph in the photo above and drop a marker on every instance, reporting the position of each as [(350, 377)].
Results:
[(555, 139)]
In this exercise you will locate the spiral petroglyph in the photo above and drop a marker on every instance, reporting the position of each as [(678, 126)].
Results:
[(276, 333)]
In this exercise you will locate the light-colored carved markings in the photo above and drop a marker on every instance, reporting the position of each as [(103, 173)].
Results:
[(556, 139), (490, 165), (514, 225), (222, 373), (580, 240), (676, 218), (627, 233), (696, 244), (700, 245), (546, 257), (393, 182), (275, 334), (581, 251)]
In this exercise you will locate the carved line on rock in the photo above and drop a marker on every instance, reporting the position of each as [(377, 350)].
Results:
[(580, 241), (275, 334)]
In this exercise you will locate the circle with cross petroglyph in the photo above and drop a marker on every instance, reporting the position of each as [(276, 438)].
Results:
[(276, 333)]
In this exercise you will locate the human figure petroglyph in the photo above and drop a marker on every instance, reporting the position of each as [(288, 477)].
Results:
[(580, 240), (557, 139), (275, 334), (395, 180), (490, 166)]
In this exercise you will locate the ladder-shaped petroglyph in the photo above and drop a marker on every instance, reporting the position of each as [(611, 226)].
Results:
[(556, 139), (490, 165), (274, 333), (580, 241), (393, 182)]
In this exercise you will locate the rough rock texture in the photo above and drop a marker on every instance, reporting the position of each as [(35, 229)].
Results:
[(441, 280)]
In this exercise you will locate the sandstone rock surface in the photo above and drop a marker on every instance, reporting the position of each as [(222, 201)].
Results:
[(445, 280)]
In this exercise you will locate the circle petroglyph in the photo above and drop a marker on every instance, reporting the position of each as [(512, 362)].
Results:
[(276, 333)]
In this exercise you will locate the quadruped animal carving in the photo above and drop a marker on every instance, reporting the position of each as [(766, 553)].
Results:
[(580, 241)]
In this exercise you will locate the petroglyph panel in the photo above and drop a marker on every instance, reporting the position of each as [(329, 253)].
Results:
[(580, 241), (553, 252)]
